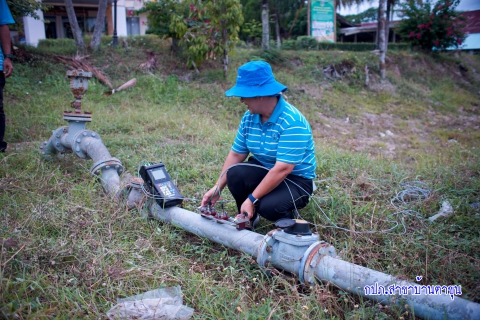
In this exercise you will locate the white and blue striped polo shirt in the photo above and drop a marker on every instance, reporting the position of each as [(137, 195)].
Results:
[(286, 137)]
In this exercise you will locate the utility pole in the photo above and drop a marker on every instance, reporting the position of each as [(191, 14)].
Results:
[(381, 37), (308, 18), (114, 38)]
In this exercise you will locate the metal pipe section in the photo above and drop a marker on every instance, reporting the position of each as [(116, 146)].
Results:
[(110, 181), (56, 144), (107, 168), (316, 260), (86, 144), (372, 284), (48, 150), (131, 191), (244, 240)]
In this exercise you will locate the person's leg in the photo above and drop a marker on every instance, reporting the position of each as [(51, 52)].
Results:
[(281, 202), (244, 178), (3, 144)]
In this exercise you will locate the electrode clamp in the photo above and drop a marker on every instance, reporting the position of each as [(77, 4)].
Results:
[(209, 212)]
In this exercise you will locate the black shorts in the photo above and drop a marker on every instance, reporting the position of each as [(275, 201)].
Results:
[(2, 113), (293, 192)]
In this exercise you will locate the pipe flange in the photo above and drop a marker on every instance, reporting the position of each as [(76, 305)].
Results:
[(315, 252), (264, 254), (107, 165), (77, 140), (57, 136)]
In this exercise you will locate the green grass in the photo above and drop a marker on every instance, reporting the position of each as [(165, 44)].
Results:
[(72, 251)]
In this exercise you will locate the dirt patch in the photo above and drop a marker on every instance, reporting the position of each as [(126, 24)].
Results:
[(387, 134)]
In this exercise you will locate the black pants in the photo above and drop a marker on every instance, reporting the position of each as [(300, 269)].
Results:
[(242, 179), (2, 113)]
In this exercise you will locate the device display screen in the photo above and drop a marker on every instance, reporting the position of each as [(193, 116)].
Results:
[(158, 174)]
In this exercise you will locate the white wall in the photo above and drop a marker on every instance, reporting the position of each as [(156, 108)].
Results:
[(143, 23), (464, 5), (121, 20), (34, 29)]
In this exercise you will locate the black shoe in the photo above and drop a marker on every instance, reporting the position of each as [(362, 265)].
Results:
[(3, 146)]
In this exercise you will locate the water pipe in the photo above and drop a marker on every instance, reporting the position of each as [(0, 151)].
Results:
[(425, 301), (299, 253), (314, 260), (87, 144), (244, 241)]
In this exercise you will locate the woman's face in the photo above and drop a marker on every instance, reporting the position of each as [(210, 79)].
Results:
[(254, 105)]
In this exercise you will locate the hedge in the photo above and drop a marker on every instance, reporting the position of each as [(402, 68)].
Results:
[(310, 43)]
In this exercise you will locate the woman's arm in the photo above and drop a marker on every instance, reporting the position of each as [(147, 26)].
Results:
[(213, 194), (6, 48)]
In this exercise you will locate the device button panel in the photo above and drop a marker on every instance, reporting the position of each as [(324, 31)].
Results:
[(167, 188)]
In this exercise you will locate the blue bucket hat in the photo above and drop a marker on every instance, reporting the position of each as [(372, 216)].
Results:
[(255, 79)]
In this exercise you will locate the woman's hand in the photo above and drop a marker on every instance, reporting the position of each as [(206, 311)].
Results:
[(247, 207), (211, 196)]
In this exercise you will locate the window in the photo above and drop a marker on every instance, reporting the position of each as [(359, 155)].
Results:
[(51, 27), (133, 26)]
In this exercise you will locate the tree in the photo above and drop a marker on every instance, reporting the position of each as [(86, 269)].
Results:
[(23, 8), (300, 27), (373, 14), (291, 17), (200, 30), (283, 18), (99, 24), (348, 3), (226, 16), (167, 18), (77, 33), (368, 15), (251, 31), (381, 38), (294, 20), (277, 29), (251, 9), (252, 14), (428, 26), (265, 26), (390, 9)]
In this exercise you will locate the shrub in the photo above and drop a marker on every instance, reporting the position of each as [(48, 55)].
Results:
[(273, 55), (306, 43), (251, 30), (199, 30), (289, 44), (398, 46), (428, 26), (343, 46), (336, 46), (63, 46)]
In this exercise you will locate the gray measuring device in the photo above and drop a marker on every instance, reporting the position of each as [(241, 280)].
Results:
[(160, 184)]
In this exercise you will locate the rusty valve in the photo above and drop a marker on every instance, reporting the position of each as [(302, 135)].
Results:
[(79, 86)]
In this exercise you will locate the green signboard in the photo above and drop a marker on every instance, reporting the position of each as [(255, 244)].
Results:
[(322, 20)]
